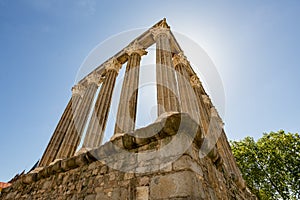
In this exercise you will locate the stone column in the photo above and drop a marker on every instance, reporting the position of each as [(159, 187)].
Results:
[(188, 99), (63, 124), (167, 92), (213, 126), (75, 130), (126, 116), (204, 108), (97, 124), (230, 163), (207, 124), (223, 146)]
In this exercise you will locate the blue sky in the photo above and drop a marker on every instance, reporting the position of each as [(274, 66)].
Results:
[(255, 46)]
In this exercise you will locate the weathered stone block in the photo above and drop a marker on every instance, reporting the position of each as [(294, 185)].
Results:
[(102, 196), (104, 169), (143, 181), (29, 178), (44, 173), (56, 167), (128, 141), (69, 163), (185, 162), (81, 160), (178, 184), (142, 193), (90, 197)]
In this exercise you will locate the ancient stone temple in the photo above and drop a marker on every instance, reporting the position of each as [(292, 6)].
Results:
[(175, 157)]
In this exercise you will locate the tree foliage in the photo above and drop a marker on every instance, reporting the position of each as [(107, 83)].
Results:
[(270, 165)]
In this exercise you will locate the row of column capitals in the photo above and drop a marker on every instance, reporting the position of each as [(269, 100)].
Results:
[(157, 31), (113, 64), (78, 90), (206, 99), (195, 82), (94, 78), (135, 47), (180, 58)]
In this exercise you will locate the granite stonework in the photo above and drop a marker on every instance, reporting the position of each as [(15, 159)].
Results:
[(119, 169)]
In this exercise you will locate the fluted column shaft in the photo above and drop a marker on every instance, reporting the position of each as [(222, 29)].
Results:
[(212, 122), (126, 116), (188, 103), (75, 129), (60, 131), (203, 109), (97, 124), (167, 91)]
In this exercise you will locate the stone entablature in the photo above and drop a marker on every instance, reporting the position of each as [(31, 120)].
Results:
[(145, 40)]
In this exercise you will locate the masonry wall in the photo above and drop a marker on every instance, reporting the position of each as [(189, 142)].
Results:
[(94, 174)]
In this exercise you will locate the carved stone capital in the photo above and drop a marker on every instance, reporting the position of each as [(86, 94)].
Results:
[(113, 64), (214, 112), (78, 90), (94, 78), (195, 82), (206, 99), (180, 58), (160, 31), (135, 48)]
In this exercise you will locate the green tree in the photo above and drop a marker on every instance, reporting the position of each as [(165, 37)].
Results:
[(270, 165)]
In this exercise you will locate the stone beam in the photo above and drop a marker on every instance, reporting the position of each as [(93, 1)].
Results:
[(146, 40)]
